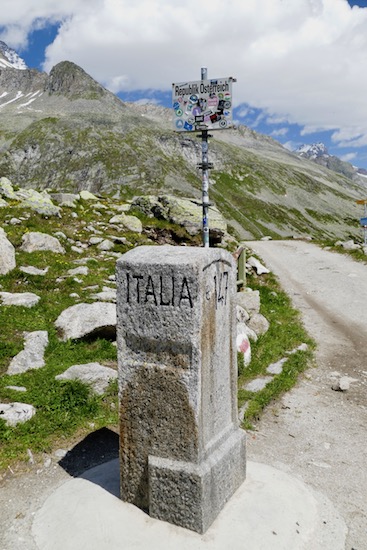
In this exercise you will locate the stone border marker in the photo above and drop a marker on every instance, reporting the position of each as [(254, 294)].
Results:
[(182, 454)]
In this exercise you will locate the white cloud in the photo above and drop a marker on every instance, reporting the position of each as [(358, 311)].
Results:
[(348, 157), (280, 132), (300, 61)]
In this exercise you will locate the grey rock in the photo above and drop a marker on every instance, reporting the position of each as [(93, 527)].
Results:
[(25, 299), (32, 356), (87, 196), (276, 368), (95, 240), (243, 328), (258, 323), (16, 388), (15, 413), (243, 346), (106, 295), (83, 320), (106, 244), (241, 314), (65, 199), (130, 223), (30, 270), (93, 374), (258, 384), (301, 347), (258, 266), (343, 384), (36, 241), (249, 300), (38, 202), (77, 249), (82, 270), (60, 235), (349, 245), (15, 221), (182, 211), (7, 254), (3, 203), (6, 189)]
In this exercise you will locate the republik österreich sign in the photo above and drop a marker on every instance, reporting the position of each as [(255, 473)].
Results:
[(204, 104)]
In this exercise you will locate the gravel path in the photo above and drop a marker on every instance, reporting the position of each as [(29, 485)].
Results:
[(316, 433)]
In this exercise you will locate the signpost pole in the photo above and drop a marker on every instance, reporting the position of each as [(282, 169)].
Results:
[(205, 175)]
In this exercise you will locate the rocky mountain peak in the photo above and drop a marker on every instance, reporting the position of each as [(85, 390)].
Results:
[(313, 151), (10, 58), (70, 80)]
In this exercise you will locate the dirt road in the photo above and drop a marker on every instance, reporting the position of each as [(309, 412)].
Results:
[(316, 433)]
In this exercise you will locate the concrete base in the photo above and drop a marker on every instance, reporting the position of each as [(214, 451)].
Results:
[(192, 495), (271, 510)]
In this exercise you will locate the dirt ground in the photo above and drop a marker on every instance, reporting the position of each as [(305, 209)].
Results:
[(314, 433)]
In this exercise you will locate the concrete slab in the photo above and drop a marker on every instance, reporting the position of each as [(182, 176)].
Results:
[(271, 510)]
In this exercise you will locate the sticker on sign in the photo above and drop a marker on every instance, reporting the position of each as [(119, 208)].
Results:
[(202, 105)]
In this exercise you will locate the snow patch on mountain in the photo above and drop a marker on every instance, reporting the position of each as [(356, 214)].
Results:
[(10, 58), (313, 151)]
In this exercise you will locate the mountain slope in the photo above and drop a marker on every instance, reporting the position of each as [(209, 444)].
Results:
[(65, 131)]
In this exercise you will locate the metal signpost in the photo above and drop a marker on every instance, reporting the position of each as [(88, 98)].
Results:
[(202, 106), (363, 221)]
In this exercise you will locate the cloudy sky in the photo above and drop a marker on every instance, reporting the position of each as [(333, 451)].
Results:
[(300, 65)]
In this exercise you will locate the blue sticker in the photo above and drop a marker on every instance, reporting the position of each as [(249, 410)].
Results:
[(179, 123), (188, 126), (176, 105), (179, 112)]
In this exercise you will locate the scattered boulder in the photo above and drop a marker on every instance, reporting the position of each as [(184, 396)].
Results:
[(107, 295), (6, 189), (82, 320), (82, 270), (185, 212), (258, 266), (30, 270), (106, 244), (276, 368), (258, 384), (249, 300), (7, 254), (39, 202), (131, 223), (243, 345), (348, 245), (15, 413), (241, 315), (25, 299), (32, 356), (65, 199), (87, 196), (245, 329), (343, 383), (36, 241), (93, 374), (258, 323)]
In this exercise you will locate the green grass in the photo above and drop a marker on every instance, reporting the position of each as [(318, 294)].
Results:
[(286, 332), (63, 408)]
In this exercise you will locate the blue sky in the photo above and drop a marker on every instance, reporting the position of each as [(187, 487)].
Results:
[(300, 65)]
